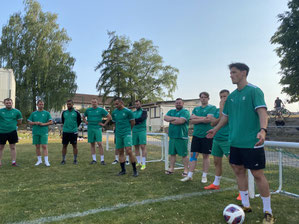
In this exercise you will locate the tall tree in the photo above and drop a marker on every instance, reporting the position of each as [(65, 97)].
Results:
[(135, 71), (287, 37), (33, 45)]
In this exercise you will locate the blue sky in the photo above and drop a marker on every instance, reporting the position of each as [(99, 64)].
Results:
[(200, 38)]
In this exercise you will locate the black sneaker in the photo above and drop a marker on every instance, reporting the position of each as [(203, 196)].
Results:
[(75, 162), (246, 209), (93, 162), (135, 173), (15, 165), (114, 162), (62, 162), (103, 163), (121, 173)]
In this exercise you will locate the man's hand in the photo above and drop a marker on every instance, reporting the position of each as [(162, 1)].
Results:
[(211, 133), (86, 122), (221, 104), (101, 124), (261, 136)]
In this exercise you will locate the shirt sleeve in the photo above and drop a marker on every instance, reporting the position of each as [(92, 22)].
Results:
[(186, 115), (86, 113), (258, 99), (212, 111), (79, 120), (105, 113), (30, 117), (62, 117), (169, 113), (226, 105), (130, 115), (19, 115), (113, 116), (49, 117)]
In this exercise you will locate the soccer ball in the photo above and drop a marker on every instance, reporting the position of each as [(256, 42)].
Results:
[(233, 214)]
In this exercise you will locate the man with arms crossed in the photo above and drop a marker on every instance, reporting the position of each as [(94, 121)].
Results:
[(246, 112), (94, 116), (139, 134), (9, 119), (220, 143), (124, 122), (178, 119), (40, 119), (201, 118), (71, 119)]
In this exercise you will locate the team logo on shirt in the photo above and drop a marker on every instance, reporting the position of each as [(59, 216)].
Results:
[(243, 98), (232, 100)]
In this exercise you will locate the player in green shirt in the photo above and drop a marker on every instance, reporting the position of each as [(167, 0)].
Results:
[(124, 122), (71, 119), (94, 116), (201, 118), (9, 119), (139, 134), (220, 143), (246, 112), (178, 119), (40, 119)]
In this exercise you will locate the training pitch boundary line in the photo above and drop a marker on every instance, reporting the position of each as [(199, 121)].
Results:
[(120, 206)]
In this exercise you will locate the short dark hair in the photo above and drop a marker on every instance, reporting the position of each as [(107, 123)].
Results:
[(40, 101), (178, 99), (137, 101), (204, 93), (240, 66), (70, 101), (7, 99), (224, 91), (118, 99)]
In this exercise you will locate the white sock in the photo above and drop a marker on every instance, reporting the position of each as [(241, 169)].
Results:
[(102, 157), (13, 161), (245, 198), (127, 158), (116, 157), (204, 174), (138, 159), (217, 180), (190, 174), (46, 159), (143, 160), (267, 204), (94, 157), (39, 159)]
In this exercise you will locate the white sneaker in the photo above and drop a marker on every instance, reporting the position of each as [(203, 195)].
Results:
[(127, 162), (204, 180), (38, 163), (115, 162), (47, 164), (185, 179)]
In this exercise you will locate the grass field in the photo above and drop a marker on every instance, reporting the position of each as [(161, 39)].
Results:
[(86, 193)]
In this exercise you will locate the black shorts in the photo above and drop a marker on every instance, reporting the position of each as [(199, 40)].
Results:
[(69, 138), (201, 145), (251, 158), (11, 137)]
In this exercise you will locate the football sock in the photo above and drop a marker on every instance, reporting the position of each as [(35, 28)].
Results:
[(63, 157), (204, 174), (39, 158), (245, 198), (75, 157), (217, 180), (138, 159), (134, 166), (267, 204), (122, 165), (190, 174), (94, 157), (102, 157), (46, 159), (143, 160), (13, 161), (116, 157), (127, 158)]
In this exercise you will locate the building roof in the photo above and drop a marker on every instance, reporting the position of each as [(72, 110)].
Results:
[(80, 98), (168, 101)]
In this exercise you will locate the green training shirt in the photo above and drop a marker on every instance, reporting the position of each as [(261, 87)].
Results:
[(71, 119), (180, 130), (243, 119), (222, 134), (95, 116), (9, 120), (139, 126), (40, 116), (200, 130), (122, 120)]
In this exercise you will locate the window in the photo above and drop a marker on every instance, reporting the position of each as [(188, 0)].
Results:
[(155, 112)]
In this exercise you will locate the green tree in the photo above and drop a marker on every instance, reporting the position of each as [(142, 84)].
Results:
[(33, 45), (134, 71), (287, 37)]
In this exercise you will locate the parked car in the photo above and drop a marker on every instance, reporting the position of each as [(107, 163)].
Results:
[(83, 127)]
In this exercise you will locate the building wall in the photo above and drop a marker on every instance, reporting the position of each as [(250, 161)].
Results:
[(7, 85)]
